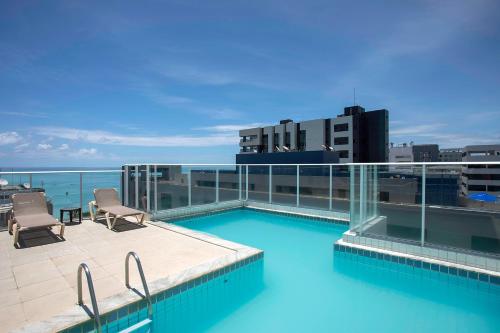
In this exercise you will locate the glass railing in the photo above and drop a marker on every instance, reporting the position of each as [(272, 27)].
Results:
[(323, 187), (455, 206), (63, 189)]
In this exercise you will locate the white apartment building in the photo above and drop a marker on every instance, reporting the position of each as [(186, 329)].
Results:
[(484, 177)]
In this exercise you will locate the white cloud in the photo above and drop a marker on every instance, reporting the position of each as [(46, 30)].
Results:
[(229, 128), (105, 137), (85, 152), (22, 147), (23, 114), (415, 130), (63, 147), (8, 138), (44, 146), (438, 133), (192, 74)]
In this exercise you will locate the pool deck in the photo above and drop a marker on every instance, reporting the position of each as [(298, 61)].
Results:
[(38, 282)]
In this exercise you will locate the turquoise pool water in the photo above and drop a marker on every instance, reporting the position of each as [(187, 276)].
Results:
[(302, 285), (308, 289)]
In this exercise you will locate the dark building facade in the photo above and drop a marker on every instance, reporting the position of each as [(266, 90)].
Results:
[(355, 136)]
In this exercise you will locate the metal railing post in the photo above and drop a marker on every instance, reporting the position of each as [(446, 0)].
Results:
[(362, 195), (352, 197), (217, 185), (95, 309), (239, 183), (189, 186), (246, 194), (422, 226), (137, 187), (31, 180), (148, 189), (330, 189), (155, 177), (125, 186), (270, 184), (297, 187), (81, 190), (147, 296), (375, 190)]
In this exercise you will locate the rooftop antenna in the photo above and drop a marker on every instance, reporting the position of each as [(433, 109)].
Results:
[(354, 96)]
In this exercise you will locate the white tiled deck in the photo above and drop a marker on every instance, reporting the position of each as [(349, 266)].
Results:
[(38, 281)]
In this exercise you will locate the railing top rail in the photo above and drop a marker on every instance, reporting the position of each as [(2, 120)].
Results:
[(326, 164), (58, 171)]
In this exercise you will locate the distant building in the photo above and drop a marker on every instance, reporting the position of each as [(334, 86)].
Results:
[(450, 155), (409, 153), (484, 177), (400, 154), (354, 136), (426, 153)]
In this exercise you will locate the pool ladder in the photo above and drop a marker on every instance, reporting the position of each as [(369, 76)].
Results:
[(95, 310)]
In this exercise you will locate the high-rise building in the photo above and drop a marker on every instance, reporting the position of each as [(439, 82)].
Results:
[(482, 177), (354, 136)]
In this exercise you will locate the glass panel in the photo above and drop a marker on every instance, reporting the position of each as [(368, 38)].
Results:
[(229, 183), (314, 186), (284, 185), (258, 183), (94, 180), (395, 209), (354, 191), (462, 209), (340, 188), (203, 185), (172, 185), (131, 186), (143, 169), (61, 189)]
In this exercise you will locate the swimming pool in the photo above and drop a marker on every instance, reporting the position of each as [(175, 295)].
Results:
[(308, 288), (303, 285)]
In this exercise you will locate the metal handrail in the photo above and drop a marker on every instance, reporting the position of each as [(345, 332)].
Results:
[(143, 279), (97, 318)]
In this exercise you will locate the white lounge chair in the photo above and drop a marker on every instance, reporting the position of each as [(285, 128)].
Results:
[(30, 212), (108, 202)]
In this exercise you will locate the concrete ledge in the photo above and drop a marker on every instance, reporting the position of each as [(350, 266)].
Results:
[(447, 257)]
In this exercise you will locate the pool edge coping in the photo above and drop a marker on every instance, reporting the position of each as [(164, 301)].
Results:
[(415, 258)]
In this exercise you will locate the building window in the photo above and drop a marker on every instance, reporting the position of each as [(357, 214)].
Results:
[(302, 141), (343, 140), (341, 127), (494, 188), (287, 139), (328, 133), (344, 154), (265, 143), (276, 141), (477, 188)]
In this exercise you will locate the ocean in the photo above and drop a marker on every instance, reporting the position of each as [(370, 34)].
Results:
[(63, 189)]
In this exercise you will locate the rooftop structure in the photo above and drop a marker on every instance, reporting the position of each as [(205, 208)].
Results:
[(355, 136)]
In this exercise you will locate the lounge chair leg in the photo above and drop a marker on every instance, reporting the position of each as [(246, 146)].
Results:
[(142, 218), (114, 221), (10, 223), (61, 232), (91, 211), (108, 221), (16, 235)]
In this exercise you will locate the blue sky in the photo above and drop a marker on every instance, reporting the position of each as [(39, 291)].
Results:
[(94, 83)]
